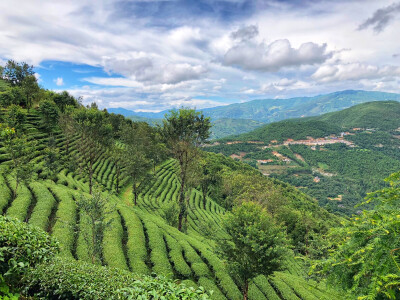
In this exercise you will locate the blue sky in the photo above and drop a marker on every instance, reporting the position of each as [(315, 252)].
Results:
[(151, 55)]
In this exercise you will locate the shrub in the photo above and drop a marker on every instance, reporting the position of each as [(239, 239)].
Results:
[(69, 279), (21, 247)]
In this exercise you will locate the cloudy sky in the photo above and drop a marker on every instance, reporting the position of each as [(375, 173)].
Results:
[(151, 55)]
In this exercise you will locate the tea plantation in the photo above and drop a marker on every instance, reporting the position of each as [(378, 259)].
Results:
[(140, 239)]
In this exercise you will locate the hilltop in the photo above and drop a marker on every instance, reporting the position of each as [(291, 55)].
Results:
[(383, 115)]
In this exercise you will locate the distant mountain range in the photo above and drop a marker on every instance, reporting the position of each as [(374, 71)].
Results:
[(256, 112)]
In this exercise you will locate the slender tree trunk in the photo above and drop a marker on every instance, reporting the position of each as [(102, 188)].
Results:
[(117, 179), (93, 242), (135, 193), (204, 191), (181, 204), (15, 191), (246, 290), (90, 176)]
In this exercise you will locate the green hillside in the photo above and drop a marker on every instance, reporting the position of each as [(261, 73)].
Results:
[(383, 115), (140, 239), (338, 170), (225, 127)]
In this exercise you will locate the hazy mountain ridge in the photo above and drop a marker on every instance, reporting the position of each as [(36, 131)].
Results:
[(271, 110)]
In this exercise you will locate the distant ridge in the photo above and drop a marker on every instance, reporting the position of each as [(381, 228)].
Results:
[(272, 110)]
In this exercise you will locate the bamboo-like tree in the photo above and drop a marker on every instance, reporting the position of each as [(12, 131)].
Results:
[(95, 210), (20, 152), (138, 152), (94, 133)]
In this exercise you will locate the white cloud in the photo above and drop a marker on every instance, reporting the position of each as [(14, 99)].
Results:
[(251, 55), (354, 71), (289, 51), (59, 81)]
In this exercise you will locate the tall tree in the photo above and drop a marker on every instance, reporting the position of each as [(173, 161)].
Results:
[(49, 114), (210, 175), (139, 143), (66, 123), (16, 118), (30, 89), (94, 133), (20, 151), (63, 100), (95, 210), (14, 72), (184, 131), (257, 246)]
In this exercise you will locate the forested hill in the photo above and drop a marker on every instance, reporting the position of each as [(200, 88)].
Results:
[(272, 110), (382, 115), (338, 157)]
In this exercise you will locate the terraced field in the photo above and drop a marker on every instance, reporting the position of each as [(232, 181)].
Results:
[(140, 240)]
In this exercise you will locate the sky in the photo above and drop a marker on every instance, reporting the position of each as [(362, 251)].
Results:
[(152, 55)]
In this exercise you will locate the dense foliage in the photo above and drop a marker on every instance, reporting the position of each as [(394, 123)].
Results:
[(22, 247), (256, 245), (69, 279), (366, 255)]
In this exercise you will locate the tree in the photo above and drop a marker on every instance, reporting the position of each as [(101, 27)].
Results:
[(210, 176), (66, 123), (30, 88), (52, 158), (94, 133), (366, 250), (20, 151), (63, 100), (138, 140), (16, 118), (14, 73), (256, 246), (184, 131), (11, 96), (117, 156), (49, 113), (95, 211)]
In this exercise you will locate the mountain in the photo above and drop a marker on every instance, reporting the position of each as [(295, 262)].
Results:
[(272, 110), (383, 115), (353, 150)]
